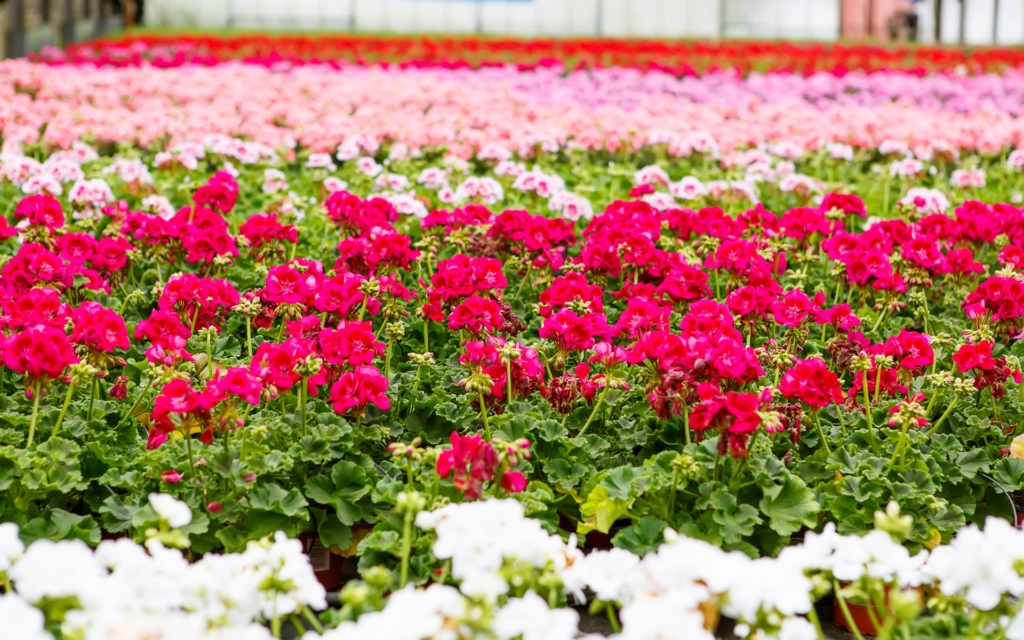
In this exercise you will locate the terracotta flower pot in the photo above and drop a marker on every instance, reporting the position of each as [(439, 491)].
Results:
[(327, 566), (860, 615)]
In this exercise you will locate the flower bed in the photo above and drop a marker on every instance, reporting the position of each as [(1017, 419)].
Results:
[(358, 305), (679, 57), (502, 576)]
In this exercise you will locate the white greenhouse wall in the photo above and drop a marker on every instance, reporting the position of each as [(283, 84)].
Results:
[(800, 19), (792, 19)]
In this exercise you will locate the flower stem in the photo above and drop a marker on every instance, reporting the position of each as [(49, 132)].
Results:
[(878, 381), (867, 412), (900, 444), (406, 547), (209, 355), (302, 404), (686, 422), (821, 432), (813, 616), (135, 404), (248, 334), (881, 315), (36, 392), (63, 409), (526, 278), (508, 378), (312, 620), (188, 448), (597, 406), (92, 396), (931, 402), (942, 419), (483, 413), (846, 611), (612, 619)]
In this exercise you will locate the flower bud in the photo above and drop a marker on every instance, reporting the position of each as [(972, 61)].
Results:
[(378, 577), (893, 523), (410, 502), (395, 331)]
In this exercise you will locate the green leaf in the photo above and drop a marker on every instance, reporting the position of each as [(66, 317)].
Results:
[(537, 498), (971, 462), (200, 524), (619, 482), (386, 541), (737, 522), (70, 526), (601, 511), (950, 520), (332, 532), (789, 506), (1009, 472), (117, 517), (642, 537), (273, 498), (345, 485), (564, 473)]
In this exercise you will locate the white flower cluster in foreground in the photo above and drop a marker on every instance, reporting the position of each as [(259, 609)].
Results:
[(510, 574), (126, 591), (665, 594)]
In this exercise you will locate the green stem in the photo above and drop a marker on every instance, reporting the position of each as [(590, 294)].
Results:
[(839, 414), (813, 616), (526, 278), (931, 402), (138, 398), (597, 406), (302, 404), (867, 412), (612, 619), (483, 413), (672, 496), (902, 442), (942, 419), (312, 620), (686, 422), (209, 355), (188, 448), (508, 378), (878, 381), (846, 611), (63, 409), (36, 392), (821, 432), (275, 624), (248, 334), (878, 322), (92, 396), (406, 547), (387, 360)]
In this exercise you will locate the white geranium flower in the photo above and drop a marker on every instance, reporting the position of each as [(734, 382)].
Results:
[(529, 617), (175, 512), (21, 621)]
